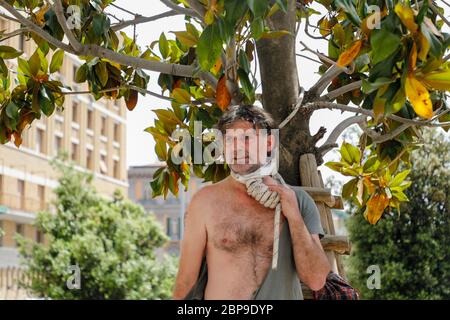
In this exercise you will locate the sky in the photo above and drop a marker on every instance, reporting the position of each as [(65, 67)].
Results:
[(140, 144)]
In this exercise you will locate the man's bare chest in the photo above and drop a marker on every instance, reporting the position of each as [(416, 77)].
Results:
[(242, 227)]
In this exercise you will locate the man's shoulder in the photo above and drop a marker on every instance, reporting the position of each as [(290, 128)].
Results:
[(206, 194)]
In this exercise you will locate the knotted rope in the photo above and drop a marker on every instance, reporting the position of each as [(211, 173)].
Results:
[(260, 191)]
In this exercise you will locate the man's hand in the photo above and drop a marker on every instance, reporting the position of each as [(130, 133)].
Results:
[(288, 199)]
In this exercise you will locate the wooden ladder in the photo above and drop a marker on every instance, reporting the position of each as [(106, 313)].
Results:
[(334, 245)]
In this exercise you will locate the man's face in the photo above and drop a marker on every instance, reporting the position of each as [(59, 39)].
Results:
[(245, 147)]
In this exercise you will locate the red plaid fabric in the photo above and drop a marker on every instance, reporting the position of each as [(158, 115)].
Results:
[(336, 288)]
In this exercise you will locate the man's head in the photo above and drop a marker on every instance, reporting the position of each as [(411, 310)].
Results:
[(248, 137)]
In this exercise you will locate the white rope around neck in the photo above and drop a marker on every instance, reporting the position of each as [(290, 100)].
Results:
[(270, 199)]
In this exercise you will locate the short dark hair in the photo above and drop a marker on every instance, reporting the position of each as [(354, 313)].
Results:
[(260, 118)]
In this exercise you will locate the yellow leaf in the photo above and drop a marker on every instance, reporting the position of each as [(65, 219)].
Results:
[(424, 47), (181, 96), (412, 58), (350, 54), (186, 38), (375, 207), (325, 27), (406, 15), (439, 80), (39, 16), (209, 17), (419, 97)]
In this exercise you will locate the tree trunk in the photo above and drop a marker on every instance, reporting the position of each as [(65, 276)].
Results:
[(280, 91)]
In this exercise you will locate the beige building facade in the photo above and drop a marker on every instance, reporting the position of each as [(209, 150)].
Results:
[(93, 133)]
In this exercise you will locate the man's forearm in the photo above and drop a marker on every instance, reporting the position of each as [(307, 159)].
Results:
[(311, 262)]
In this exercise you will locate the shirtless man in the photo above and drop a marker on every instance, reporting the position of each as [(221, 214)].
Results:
[(235, 232)]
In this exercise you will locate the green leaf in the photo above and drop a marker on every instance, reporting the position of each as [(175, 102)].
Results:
[(282, 4), (383, 43), (257, 28), (400, 195), (45, 103), (368, 87), (371, 164), (100, 24), (258, 7), (23, 67), (234, 9), (243, 61), (209, 47), (349, 153), (399, 178), (350, 10), (186, 38), (3, 68), (164, 46), (161, 150), (12, 111), (102, 72), (7, 52), (81, 74), (34, 63), (57, 61), (336, 166), (226, 30), (246, 84), (181, 96), (348, 188)]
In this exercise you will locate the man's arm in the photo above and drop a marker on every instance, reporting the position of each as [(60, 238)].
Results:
[(310, 260), (192, 249)]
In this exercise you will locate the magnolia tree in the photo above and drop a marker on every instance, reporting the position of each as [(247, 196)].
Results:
[(387, 62)]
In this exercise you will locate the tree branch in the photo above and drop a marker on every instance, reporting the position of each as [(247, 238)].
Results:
[(316, 105), (337, 131), (344, 89), (35, 28), (197, 7), (97, 51), (436, 11), (179, 9), (14, 33), (140, 19), (392, 134), (63, 22)]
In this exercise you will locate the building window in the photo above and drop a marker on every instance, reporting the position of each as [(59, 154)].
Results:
[(74, 152), (1, 237), (103, 126), (75, 112), (39, 140), (21, 42), (41, 196), (89, 160), (39, 236), (74, 70), (58, 145), (20, 229), (116, 132), (21, 191), (169, 226), (103, 167), (116, 169), (90, 119), (138, 189)]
